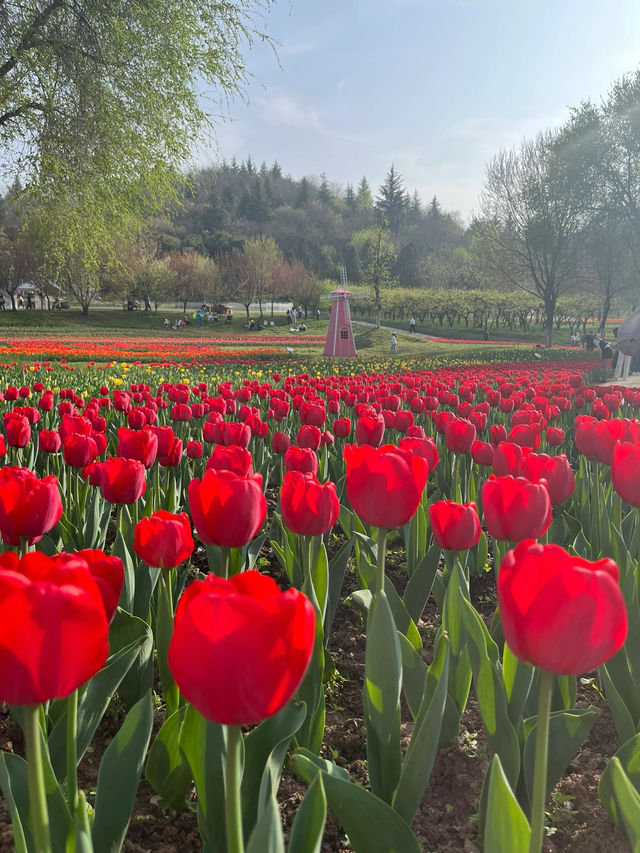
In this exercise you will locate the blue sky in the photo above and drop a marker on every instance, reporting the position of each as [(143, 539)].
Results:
[(436, 87)]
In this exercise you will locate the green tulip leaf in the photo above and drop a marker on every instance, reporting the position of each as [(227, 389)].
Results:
[(265, 749), (203, 745), (414, 674), (371, 824), (621, 800), (310, 819), (420, 583), (96, 696), (167, 769), (119, 775), (383, 668), (506, 827), (620, 712), (568, 730), (267, 835), (425, 739), (337, 571)]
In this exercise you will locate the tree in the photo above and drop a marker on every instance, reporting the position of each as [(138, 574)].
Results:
[(186, 269), (261, 255), (98, 109), (16, 264), (237, 279), (377, 256), (392, 200), (535, 214), (300, 286)]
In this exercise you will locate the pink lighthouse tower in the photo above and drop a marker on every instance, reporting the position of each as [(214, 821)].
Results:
[(340, 342)]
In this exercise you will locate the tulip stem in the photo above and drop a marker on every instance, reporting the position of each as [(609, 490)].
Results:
[(382, 553), (225, 554), (72, 754), (540, 771), (35, 779), (232, 800)]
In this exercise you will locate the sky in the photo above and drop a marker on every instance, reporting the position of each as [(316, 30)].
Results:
[(436, 87)]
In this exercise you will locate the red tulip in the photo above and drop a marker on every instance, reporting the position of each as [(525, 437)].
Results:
[(309, 436), (231, 458), (106, 571), (554, 470), (280, 442), (29, 507), (384, 485), (625, 472), (559, 612), (17, 431), (301, 459), (226, 509), (308, 507), (554, 436), (174, 456), (482, 453), (140, 444), (74, 423), (240, 647), (425, 447), (194, 450), (456, 527), (79, 450), (49, 441), (53, 628), (515, 508), (370, 430), (342, 427), (506, 458), (165, 436), (459, 435), (123, 480), (163, 540)]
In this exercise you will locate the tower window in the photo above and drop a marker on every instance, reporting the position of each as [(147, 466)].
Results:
[(344, 334)]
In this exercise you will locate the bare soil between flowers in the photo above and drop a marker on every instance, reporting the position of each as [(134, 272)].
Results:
[(447, 819)]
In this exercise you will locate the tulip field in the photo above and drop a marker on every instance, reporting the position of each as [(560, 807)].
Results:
[(255, 604)]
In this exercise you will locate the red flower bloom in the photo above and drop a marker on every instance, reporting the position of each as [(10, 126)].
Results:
[(301, 459), (515, 508), (280, 442), (174, 456), (554, 436), (106, 571), (140, 444), (425, 447), (240, 647), (555, 470), (53, 628), (123, 480), (226, 509), (194, 449), (342, 427), (482, 453), (459, 435), (384, 485), (17, 430), (308, 507), (163, 540), (232, 458), (370, 430), (79, 450), (309, 436), (29, 507), (625, 472), (559, 612), (49, 441), (456, 527)]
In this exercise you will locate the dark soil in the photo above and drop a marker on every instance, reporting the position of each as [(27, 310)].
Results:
[(447, 818)]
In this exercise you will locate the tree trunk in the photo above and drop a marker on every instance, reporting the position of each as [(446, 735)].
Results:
[(606, 307), (85, 309), (550, 309)]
